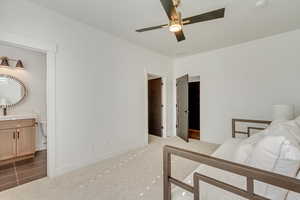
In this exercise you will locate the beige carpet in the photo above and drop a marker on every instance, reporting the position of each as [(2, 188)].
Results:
[(133, 175)]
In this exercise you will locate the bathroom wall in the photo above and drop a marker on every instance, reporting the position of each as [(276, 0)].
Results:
[(34, 77)]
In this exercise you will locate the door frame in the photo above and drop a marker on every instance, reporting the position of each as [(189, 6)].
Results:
[(164, 102), (50, 50), (157, 83)]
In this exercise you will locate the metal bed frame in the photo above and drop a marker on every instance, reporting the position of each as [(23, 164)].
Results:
[(252, 174), (249, 128)]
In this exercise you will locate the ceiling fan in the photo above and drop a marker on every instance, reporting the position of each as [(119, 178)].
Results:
[(176, 22)]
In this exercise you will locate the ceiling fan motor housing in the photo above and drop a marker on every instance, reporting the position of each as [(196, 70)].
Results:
[(176, 3), (176, 19)]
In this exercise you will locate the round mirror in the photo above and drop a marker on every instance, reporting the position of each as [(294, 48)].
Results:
[(12, 91)]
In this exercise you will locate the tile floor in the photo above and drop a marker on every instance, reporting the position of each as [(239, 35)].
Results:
[(22, 172)]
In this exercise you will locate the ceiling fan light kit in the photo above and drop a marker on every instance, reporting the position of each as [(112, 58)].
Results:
[(176, 3), (175, 28), (176, 22)]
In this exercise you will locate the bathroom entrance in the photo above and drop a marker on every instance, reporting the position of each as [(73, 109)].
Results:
[(23, 117)]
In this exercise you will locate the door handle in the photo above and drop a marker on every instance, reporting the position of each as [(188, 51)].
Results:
[(14, 135), (18, 134)]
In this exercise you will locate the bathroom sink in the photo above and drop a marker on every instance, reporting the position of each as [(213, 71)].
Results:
[(16, 117)]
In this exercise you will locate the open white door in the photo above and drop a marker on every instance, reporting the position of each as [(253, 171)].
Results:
[(182, 106)]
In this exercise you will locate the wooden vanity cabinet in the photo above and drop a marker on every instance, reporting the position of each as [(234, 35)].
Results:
[(26, 141), (7, 144), (17, 140)]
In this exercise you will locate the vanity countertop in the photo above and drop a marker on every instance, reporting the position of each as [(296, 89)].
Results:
[(18, 117)]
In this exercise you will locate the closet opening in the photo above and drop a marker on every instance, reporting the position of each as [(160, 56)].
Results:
[(194, 107)]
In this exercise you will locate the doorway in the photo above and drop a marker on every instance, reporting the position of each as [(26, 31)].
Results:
[(50, 51), (155, 105), (23, 154), (194, 108)]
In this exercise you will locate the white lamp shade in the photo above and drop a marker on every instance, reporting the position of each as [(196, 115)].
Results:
[(283, 112)]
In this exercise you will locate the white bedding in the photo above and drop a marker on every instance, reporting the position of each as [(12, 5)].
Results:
[(276, 149), (208, 192)]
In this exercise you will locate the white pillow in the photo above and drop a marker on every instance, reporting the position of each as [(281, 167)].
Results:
[(276, 154), (293, 195), (266, 152), (294, 129), (246, 147), (289, 129)]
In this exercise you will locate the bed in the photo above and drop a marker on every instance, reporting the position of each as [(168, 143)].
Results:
[(209, 192), (220, 177)]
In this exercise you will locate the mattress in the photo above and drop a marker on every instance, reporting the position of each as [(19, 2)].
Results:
[(209, 192)]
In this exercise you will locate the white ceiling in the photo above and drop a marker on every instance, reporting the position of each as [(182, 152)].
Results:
[(243, 21)]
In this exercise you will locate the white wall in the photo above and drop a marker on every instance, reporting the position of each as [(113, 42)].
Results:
[(244, 81), (100, 83), (34, 78)]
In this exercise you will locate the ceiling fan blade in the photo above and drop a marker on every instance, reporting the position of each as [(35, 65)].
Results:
[(169, 8), (180, 36), (152, 28), (220, 13)]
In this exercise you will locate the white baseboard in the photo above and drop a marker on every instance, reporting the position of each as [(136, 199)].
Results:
[(72, 167), (41, 148)]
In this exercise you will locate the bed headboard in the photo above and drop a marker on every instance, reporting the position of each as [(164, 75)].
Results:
[(249, 128)]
